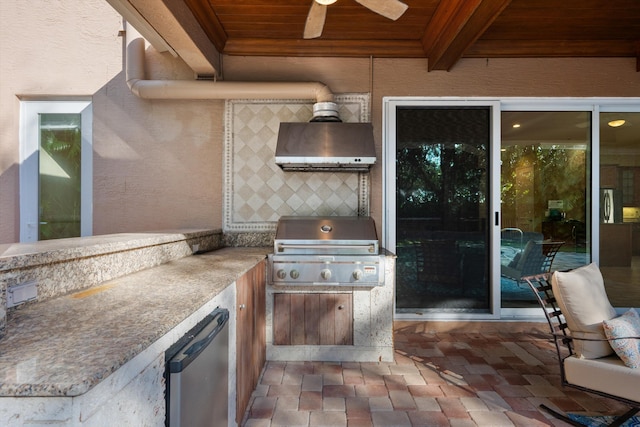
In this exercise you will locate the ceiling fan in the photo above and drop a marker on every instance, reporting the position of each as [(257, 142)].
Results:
[(391, 9)]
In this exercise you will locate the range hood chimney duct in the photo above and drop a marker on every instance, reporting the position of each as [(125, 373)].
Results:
[(325, 112)]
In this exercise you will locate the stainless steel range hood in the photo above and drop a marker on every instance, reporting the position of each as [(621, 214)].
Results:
[(325, 143), (325, 146)]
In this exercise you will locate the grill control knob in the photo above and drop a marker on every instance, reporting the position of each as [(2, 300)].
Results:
[(325, 274), (357, 274), (294, 274), (281, 274)]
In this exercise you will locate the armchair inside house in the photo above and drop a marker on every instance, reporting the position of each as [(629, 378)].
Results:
[(535, 258), (597, 350)]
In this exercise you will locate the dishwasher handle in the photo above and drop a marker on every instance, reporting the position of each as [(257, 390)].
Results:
[(200, 341)]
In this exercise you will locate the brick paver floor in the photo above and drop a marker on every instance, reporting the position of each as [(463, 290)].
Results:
[(454, 374)]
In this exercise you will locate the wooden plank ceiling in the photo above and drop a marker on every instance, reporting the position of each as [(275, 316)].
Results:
[(441, 30)]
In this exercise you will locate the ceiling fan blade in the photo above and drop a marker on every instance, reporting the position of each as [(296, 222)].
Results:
[(315, 20), (392, 9)]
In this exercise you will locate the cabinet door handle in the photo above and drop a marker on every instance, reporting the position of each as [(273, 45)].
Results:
[(242, 306), (340, 307)]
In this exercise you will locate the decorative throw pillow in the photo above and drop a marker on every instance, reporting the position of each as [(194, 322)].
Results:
[(583, 300), (627, 325)]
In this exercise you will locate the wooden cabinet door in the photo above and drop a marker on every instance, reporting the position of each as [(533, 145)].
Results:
[(336, 319), (313, 319), (609, 176), (250, 334), (259, 347)]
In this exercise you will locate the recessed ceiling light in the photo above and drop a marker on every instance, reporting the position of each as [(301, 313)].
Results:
[(616, 123), (516, 125), (326, 2)]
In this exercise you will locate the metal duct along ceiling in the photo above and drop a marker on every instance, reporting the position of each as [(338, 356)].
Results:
[(324, 144), (204, 89)]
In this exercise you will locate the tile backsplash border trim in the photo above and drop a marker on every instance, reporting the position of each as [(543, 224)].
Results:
[(230, 224)]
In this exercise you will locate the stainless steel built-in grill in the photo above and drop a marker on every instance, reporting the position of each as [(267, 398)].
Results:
[(326, 251)]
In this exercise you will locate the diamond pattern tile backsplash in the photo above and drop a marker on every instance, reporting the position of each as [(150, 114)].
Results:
[(258, 192)]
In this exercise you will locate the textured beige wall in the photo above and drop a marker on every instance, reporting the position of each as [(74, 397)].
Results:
[(558, 77), (158, 164), (48, 49), (550, 77)]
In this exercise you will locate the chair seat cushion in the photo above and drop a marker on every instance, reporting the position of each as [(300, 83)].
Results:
[(608, 375), (627, 325), (582, 298)]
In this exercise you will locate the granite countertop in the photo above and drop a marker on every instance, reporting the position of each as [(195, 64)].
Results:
[(67, 345), (20, 255)]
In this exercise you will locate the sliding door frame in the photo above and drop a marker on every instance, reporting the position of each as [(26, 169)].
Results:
[(594, 105), (390, 104)]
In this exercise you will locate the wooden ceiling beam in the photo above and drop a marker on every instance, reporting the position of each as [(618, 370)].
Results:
[(441, 30), (326, 48), (455, 26), (174, 23), (209, 22), (553, 48), (445, 24)]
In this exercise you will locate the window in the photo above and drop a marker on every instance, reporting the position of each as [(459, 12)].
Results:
[(619, 227), (55, 170)]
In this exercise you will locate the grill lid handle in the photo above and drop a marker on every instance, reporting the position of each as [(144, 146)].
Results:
[(283, 246)]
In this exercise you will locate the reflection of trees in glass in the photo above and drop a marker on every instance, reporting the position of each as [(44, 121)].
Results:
[(440, 181), (559, 174), (60, 194)]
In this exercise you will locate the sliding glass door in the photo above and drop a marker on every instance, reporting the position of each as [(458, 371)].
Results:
[(619, 219), (480, 193), (545, 174), (443, 217)]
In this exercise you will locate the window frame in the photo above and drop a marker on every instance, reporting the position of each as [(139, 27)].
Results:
[(29, 161)]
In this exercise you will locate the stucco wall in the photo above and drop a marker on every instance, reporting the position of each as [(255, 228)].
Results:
[(158, 164), (527, 77), (42, 52)]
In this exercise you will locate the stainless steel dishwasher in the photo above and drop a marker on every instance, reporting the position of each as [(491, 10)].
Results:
[(197, 374)]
